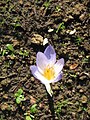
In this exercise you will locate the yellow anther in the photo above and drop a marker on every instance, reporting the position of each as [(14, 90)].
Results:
[(49, 73)]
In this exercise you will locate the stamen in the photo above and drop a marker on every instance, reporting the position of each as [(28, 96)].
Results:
[(49, 73)]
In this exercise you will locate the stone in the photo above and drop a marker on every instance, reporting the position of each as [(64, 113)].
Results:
[(84, 99)]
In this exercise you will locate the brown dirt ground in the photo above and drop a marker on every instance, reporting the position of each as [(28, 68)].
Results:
[(24, 24)]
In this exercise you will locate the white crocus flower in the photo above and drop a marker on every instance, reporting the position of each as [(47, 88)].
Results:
[(47, 70)]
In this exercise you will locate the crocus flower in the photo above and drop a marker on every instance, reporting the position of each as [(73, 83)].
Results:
[(47, 70)]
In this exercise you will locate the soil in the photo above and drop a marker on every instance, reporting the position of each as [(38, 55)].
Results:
[(24, 24)]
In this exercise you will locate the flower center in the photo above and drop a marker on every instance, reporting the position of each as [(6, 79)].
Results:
[(49, 73)]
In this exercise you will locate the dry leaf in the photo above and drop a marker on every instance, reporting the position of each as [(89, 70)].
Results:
[(73, 66), (41, 105), (32, 100), (15, 42)]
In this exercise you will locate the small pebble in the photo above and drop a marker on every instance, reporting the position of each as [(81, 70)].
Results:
[(72, 32), (5, 82), (73, 114), (82, 16), (81, 91), (69, 81), (83, 77), (37, 39), (45, 41), (4, 106), (56, 87), (32, 79), (5, 96), (50, 30), (84, 99)]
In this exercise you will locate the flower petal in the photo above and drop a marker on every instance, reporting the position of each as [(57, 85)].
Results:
[(59, 77), (41, 61), (38, 75), (49, 90), (33, 69), (58, 66), (49, 51), (50, 54)]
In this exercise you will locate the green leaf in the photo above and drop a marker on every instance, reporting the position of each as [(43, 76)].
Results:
[(19, 96), (18, 100), (46, 4), (17, 25), (33, 108), (60, 27), (22, 97), (16, 95), (4, 52), (24, 53), (10, 47), (19, 92), (28, 118), (21, 53)]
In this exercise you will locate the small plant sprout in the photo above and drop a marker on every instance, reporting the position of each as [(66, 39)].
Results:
[(33, 108), (47, 70), (9, 50), (45, 41), (60, 105), (78, 40), (29, 115), (19, 96), (58, 8), (23, 53), (10, 47), (47, 4), (60, 27), (28, 118)]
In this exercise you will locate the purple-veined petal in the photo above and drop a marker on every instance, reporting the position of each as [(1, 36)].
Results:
[(49, 51), (33, 69), (41, 61), (50, 54), (38, 75), (48, 88), (59, 77), (59, 66)]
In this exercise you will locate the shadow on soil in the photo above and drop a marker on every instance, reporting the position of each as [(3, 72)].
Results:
[(51, 106)]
